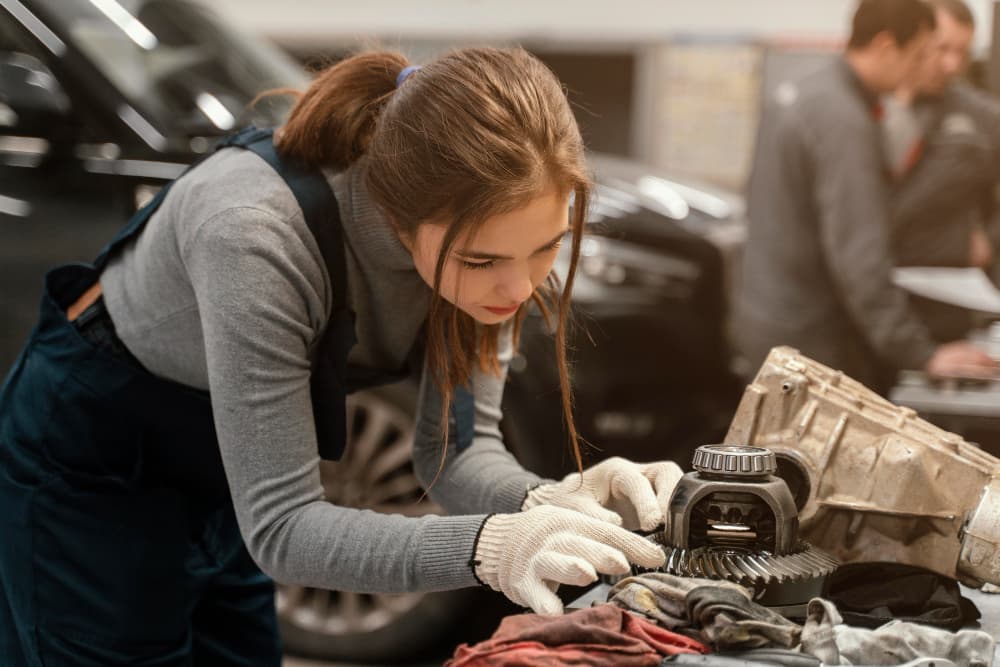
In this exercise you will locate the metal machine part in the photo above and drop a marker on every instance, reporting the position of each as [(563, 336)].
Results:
[(733, 519), (733, 500), (871, 480)]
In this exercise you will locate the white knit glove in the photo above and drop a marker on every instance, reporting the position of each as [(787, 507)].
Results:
[(527, 555), (633, 495)]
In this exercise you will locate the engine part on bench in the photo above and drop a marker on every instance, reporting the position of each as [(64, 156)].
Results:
[(872, 481), (733, 519)]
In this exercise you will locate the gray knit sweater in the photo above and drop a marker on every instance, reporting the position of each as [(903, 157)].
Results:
[(226, 290)]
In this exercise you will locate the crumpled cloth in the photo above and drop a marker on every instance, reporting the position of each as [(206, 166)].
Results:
[(825, 637), (602, 636), (872, 594), (719, 613)]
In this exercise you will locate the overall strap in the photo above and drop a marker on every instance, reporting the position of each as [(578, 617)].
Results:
[(134, 225), (315, 199), (322, 215), (328, 380), (139, 219)]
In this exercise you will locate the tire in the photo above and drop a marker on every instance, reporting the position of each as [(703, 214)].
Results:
[(407, 633), (376, 473)]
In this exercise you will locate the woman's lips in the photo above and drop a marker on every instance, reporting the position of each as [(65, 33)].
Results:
[(501, 311)]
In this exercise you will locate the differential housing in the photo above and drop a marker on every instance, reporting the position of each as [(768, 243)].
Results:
[(732, 518)]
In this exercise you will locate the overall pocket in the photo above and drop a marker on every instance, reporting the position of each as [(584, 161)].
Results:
[(72, 403)]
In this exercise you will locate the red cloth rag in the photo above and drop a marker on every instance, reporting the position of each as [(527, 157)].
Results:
[(602, 636)]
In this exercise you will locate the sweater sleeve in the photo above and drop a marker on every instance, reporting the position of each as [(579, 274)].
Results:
[(260, 293), (984, 110), (938, 204), (485, 477)]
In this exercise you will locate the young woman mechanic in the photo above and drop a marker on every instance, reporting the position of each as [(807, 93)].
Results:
[(198, 332)]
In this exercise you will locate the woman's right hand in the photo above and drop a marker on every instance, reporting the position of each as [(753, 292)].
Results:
[(527, 555)]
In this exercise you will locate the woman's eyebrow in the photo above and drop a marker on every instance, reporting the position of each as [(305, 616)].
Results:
[(485, 255)]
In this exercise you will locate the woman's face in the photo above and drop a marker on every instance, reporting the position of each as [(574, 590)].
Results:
[(491, 273)]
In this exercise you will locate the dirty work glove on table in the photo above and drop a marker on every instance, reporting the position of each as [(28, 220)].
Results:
[(527, 555), (633, 495)]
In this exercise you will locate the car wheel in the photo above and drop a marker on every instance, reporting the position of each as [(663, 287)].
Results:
[(375, 473)]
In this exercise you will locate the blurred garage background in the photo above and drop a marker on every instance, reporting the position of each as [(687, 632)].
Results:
[(668, 95), (673, 84)]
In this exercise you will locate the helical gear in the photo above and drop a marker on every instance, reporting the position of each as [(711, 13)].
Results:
[(734, 519), (775, 579)]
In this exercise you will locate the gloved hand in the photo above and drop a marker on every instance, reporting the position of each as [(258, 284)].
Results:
[(633, 495), (527, 555)]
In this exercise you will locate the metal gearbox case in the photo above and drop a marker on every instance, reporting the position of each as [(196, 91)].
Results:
[(872, 481)]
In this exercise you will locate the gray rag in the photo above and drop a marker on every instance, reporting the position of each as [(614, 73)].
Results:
[(827, 638), (719, 613)]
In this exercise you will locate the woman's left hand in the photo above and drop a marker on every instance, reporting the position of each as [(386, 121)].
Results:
[(635, 496)]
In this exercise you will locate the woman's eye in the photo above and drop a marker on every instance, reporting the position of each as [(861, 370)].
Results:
[(477, 265)]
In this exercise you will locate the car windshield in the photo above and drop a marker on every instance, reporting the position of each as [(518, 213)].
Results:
[(177, 61)]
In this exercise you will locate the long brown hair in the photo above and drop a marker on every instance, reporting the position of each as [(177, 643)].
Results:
[(476, 133)]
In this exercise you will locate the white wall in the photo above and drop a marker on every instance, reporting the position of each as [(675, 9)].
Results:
[(664, 130), (313, 23)]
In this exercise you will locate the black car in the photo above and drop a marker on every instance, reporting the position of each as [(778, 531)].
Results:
[(103, 102)]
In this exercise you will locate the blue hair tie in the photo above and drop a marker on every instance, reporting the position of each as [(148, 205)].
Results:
[(407, 71)]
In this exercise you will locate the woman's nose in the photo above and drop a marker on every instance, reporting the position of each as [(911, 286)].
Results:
[(516, 287)]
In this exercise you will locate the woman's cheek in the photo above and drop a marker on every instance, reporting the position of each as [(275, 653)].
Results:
[(541, 268), (459, 285), (473, 286)]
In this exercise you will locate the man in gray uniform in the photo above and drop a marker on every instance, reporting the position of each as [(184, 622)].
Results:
[(943, 141), (946, 136), (817, 266)]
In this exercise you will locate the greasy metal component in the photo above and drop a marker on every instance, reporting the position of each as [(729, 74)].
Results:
[(979, 558), (736, 461), (873, 481), (733, 519), (776, 580), (755, 513)]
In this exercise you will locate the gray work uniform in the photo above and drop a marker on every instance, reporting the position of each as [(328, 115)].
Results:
[(949, 190), (817, 268)]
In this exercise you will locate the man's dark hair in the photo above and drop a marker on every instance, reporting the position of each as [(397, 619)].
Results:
[(957, 9), (903, 19)]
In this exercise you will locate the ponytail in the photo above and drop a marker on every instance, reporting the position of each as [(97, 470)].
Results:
[(332, 122)]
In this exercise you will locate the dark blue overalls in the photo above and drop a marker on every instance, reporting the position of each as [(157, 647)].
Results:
[(118, 541)]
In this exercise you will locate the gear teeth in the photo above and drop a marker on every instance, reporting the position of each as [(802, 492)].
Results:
[(755, 570)]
